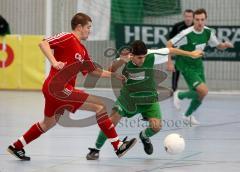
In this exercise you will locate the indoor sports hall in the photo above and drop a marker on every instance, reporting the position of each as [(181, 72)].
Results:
[(211, 145)]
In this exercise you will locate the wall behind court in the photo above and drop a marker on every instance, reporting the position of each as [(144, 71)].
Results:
[(28, 17)]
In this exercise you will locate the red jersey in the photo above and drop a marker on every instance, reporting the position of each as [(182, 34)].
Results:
[(67, 48), (58, 88)]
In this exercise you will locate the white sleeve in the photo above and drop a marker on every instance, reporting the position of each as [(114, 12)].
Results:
[(160, 55), (159, 59), (161, 51), (213, 41), (179, 39)]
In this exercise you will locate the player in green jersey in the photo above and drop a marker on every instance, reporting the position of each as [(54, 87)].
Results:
[(139, 92), (193, 38)]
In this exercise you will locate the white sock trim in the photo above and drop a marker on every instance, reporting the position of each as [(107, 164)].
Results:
[(113, 139), (22, 140), (39, 127), (112, 126), (120, 144), (144, 134)]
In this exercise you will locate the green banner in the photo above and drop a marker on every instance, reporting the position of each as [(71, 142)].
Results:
[(161, 7), (155, 36), (126, 11)]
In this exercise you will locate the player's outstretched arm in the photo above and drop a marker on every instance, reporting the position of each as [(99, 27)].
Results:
[(192, 54), (123, 59), (45, 48), (116, 65), (106, 74)]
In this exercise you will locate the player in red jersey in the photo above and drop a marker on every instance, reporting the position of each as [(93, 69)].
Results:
[(69, 57)]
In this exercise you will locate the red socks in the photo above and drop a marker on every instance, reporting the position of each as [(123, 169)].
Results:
[(108, 129), (103, 121), (34, 132)]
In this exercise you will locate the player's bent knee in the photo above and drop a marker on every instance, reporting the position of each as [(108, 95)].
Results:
[(204, 92), (156, 126), (100, 103), (156, 129), (100, 108)]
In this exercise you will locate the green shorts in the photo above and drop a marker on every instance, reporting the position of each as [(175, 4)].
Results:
[(193, 78), (147, 111)]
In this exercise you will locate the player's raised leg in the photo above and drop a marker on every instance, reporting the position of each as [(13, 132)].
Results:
[(153, 114), (101, 139), (154, 127), (93, 103), (198, 96)]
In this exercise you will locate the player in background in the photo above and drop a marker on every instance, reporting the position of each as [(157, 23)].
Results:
[(69, 56), (193, 38), (177, 28), (139, 92)]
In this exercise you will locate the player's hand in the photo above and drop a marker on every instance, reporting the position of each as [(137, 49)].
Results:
[(197, 54), (228, 44), (59, 65), (125, 55), (170, 67)]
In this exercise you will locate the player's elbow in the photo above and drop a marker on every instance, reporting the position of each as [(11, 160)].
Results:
[(169, 44), (110, 69), (43, 44), (172, 51), (40, 44)]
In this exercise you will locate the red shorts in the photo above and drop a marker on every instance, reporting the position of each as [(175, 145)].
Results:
[(70, 100)]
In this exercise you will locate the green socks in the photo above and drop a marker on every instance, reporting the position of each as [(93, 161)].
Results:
[(189, 94), (148, 132), (195, 103), (100, 140)]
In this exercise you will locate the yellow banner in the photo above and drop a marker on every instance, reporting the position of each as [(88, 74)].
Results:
[(22, 65)]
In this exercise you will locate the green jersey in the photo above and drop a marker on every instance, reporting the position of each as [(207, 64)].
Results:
[(140, 87), (190, 40)]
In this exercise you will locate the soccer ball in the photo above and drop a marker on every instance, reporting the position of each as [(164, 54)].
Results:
[(174, 144)]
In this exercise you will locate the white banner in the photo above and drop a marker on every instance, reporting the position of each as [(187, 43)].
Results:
[(100, 12)]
